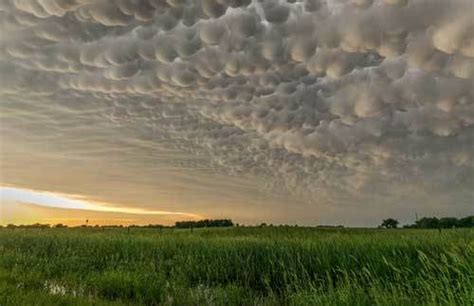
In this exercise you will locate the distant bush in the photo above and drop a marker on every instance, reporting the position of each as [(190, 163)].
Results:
[(149, 226), (204, 223), (330, 226)]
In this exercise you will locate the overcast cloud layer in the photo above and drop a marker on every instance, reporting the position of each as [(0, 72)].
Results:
[(289, 111)]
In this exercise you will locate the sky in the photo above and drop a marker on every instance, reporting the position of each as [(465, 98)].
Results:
[(301, 112)]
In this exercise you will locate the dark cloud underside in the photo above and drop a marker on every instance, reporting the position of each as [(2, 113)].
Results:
[(337, 110)]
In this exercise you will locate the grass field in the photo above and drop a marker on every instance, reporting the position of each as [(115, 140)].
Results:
[(236, 266)]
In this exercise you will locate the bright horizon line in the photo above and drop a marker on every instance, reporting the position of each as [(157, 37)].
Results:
[(75, 202)]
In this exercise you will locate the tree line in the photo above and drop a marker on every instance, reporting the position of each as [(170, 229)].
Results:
[(432, 222), (425, 222), (179, 224), (205, 223)]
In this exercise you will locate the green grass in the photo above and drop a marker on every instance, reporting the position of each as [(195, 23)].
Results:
[(238, 266)]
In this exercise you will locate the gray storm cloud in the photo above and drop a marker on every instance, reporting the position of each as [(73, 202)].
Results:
[(354, 104)]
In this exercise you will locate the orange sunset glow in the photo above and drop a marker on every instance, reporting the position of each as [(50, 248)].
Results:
[(27, 206)]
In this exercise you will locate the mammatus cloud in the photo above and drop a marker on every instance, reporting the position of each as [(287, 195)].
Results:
[(355, 108)]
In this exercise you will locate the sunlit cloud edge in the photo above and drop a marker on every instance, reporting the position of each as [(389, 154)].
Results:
[(75, 202)]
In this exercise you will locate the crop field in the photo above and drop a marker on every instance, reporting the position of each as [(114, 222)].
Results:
[(236, 266)]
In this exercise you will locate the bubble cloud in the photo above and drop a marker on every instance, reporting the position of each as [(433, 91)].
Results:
[(295, 111)]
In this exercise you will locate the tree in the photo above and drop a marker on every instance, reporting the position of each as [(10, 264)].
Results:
[(426, 222), (448, 222), (390, 223), (466, 222)]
